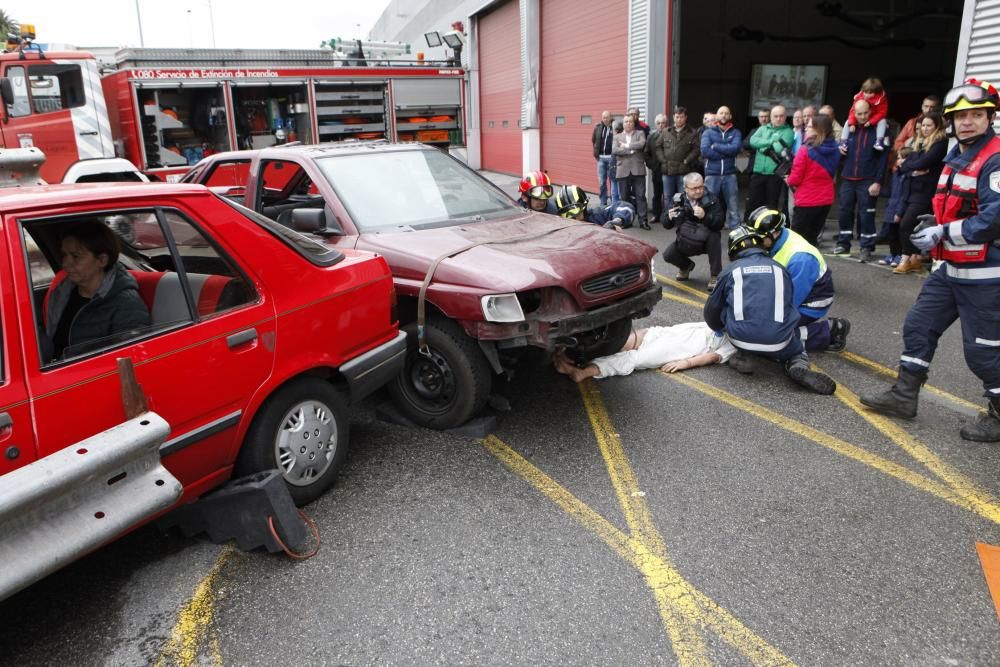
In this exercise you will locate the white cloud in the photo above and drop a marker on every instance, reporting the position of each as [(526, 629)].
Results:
[(187, 24)]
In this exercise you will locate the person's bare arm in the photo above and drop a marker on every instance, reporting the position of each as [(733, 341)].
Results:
[(706, 359)]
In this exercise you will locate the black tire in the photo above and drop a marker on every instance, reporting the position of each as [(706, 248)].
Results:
[(447, 388), (604, 341), (308, 469)]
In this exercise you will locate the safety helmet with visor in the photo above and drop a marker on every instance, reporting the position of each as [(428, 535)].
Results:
[(743, 238), (571, 200), (973, 94), (536, 185)]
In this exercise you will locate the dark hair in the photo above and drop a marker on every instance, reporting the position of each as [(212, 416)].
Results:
[(872, 85), (823, 125), (679, 109), (97, 238), (933, 98)]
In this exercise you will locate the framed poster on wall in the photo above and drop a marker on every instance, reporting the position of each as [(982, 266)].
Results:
[(793, 86)]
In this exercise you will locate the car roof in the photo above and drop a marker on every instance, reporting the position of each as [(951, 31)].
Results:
[(44, 196), (321, 150)]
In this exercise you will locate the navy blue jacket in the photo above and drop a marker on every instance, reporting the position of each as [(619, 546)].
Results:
[(719, 149), (863, 162), (753, 304), (932, 161)]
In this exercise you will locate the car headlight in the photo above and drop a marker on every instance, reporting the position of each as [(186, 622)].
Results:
[(502, 308)]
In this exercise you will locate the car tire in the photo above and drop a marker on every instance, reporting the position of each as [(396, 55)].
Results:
[(448, 387), (606, 340), (310, 414)]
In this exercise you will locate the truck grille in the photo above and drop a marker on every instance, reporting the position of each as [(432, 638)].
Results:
[(612, 281)]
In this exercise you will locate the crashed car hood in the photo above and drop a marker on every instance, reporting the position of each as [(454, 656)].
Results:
[(528, 251)]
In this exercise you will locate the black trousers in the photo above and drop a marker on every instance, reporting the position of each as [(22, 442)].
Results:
[(809, 221), (657, 209), (908, 221), (713, 247), (764, 190), (634, 187)]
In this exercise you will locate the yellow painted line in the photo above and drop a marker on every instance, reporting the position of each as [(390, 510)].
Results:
[(681, 299), (681, 286), (834, 444), (635, 552), (680, 615), (194, 621), (986, 505), (890, 372)]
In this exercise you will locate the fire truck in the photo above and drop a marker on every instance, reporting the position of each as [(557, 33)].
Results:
[(166, 109)]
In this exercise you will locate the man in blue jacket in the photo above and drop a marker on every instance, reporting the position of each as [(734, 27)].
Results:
[(812, 281), (719, 146), (863, 170), (753, 305)]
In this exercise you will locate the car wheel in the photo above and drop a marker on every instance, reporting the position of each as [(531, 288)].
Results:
[(303, 431), (448, 385)]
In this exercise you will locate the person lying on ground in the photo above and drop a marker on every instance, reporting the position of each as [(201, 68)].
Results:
[(671, 349)]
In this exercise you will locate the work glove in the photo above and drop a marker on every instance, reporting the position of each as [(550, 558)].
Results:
[(927, 238), (924, 221)]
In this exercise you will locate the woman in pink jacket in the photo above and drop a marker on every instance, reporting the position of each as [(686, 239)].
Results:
[(812, 177)]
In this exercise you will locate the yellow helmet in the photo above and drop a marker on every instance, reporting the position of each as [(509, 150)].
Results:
[(973, 94)]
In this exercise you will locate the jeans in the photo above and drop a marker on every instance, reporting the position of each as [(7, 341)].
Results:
[(855, 194), (671, 186), (605, 174), (728, 191)]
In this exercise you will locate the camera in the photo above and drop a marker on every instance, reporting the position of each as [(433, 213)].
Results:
[(783, 160), (680, 211)]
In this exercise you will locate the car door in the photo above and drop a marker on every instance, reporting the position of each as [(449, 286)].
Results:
[(17, 440), (207, 348)]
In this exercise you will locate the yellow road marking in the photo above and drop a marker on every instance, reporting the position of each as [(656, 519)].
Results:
[(681, 286), (634, 551), (834, 444), (194, 620), (890, 372), (681, 299), (985, 504), (679, 614)]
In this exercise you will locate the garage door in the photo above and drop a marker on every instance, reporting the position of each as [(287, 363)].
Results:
[(580, 77), (500, 88)]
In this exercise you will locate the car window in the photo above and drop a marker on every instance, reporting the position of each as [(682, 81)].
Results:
[(399, 189), (167, 274), (21, 105), (55, 87), (228, 174)]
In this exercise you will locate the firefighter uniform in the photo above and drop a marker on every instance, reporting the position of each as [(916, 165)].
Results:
[(812, 286)]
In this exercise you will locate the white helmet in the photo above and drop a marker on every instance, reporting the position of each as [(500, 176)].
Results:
[(280, 135)]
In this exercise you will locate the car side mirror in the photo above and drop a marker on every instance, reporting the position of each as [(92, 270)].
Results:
[(313, 221)]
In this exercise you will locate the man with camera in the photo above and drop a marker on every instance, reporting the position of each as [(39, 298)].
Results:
[(773, 159), (698, 216)]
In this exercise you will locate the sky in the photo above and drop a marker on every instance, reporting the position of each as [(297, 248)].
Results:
[(187, 24)]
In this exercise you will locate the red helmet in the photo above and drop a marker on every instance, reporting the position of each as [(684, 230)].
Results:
[(537, 185)]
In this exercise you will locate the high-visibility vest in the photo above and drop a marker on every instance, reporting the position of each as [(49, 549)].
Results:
[(796, 243), (956, 199)]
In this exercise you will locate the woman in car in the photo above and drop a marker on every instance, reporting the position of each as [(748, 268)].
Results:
[(98, 297)]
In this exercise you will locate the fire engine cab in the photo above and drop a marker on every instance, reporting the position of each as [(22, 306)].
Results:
[(166, 109)]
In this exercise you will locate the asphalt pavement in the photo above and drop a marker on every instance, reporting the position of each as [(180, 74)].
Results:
[(704, 517)]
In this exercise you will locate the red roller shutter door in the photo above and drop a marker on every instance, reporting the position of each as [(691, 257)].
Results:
[(584, 71), (500, 88)]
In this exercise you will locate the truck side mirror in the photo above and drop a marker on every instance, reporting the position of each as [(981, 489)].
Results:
[(6, 94), (313, 221)]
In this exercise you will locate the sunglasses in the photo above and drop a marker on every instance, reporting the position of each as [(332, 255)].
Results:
[(540, 192), (971, 93)]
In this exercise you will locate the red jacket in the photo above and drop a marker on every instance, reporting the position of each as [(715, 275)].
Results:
[(879, 103), (812, 174)]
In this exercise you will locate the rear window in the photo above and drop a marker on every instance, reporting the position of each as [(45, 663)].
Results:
[(312, 251)]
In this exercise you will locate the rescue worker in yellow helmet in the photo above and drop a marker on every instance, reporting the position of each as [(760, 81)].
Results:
[(963, 232)]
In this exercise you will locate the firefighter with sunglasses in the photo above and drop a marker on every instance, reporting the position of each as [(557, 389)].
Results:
[(964, 232)]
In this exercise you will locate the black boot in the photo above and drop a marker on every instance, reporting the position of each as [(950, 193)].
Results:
[(901, 400), (839, 328), (741, 362), (986, 428), (798, 369)]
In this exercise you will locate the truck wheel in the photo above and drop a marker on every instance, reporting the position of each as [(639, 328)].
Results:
[(606, 340), (303, 431), (446, 388)]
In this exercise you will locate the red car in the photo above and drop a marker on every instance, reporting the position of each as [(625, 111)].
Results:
[(478, 277), (257, 341)]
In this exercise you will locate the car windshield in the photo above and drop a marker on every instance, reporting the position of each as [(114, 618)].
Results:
[(412, 189)]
